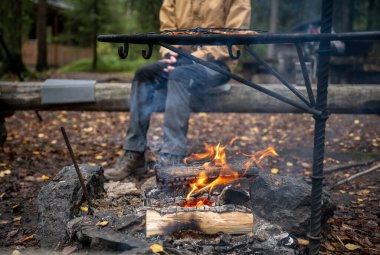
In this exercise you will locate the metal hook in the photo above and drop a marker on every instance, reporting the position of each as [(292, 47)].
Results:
[(123, 51), (148, 54), (232, 56)]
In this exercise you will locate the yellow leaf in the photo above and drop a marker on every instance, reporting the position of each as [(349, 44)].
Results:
[(5, 172), (102, 223), (342, 191), (36, 152), (357, 138), (352, 247), (41, 135), (88, 130), (2, 195), (244, 138), (357, 121), (16, 252), (45, 177), (99, 157), (347, 175), (156, 248), (274, 170), (289, 164), (84, 208), (3, 164), (306, 172), (360, 200)]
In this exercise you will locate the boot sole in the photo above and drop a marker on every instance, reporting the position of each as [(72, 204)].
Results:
[(136, 172)]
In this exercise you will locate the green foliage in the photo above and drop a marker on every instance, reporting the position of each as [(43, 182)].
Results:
[(105, 64)]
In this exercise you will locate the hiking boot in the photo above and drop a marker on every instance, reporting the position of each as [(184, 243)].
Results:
[(166, 160), (131, 163)]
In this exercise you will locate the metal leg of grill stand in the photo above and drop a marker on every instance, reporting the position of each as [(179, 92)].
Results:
[(319, 131)]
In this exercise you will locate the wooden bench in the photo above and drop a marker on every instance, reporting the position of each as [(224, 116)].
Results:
[(25, 96)]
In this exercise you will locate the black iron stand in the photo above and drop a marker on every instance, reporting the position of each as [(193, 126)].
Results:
[(319, 130)]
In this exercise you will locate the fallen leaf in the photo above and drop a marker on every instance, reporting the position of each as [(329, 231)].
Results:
[(328, 246), (24, 239), (342, 191), (17, 218), (352, 247), (357, 138), (16, 252), (13, 233), (84, 208), (102, 223), (307, 172), (2, 195), (363, 192), (41, 135), (5, 172), (45, 177), (156, 248), (88, 130), (99, 157), (274, 170), (36, 152), (356, 121), (289, 164), (306, 165), (245, 138), (3, 164)]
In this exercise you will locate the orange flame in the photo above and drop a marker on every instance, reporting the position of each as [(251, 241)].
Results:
[(217, 155), (258, 157)]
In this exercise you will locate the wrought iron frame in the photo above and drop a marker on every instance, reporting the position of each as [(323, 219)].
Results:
[(317, 106)]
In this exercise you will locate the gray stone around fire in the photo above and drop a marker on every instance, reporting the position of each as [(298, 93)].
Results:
[(285, 201), (59, 201)]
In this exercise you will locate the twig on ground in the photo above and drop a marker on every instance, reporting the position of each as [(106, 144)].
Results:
[(334, 169), (356, 176), (340, 241)]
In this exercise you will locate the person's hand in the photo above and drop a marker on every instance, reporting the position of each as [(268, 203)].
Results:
[(170, 59)]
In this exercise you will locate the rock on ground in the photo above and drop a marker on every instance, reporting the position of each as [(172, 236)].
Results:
[(285, 201), (59, 201)]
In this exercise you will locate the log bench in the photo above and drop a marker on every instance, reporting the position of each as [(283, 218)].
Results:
[(22, 96)]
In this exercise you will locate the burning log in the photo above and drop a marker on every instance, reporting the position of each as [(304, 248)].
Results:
[(182, 175), (209, 220)]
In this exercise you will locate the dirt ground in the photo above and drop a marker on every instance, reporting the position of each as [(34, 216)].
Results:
[(35, 151)]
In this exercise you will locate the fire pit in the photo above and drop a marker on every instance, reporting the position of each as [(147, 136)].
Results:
[(207, 206), (309, 104)]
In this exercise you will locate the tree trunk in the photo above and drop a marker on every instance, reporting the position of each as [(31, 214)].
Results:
[(11, 30), (95, 34), (41, 36)]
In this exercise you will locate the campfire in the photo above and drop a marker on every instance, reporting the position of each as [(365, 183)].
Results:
[(211, 192), (217, 162)]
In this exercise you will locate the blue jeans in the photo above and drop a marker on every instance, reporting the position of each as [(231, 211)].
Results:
[(177, 88)]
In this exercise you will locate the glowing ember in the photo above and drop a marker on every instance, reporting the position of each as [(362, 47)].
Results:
[(198, 202), (217, 155)]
